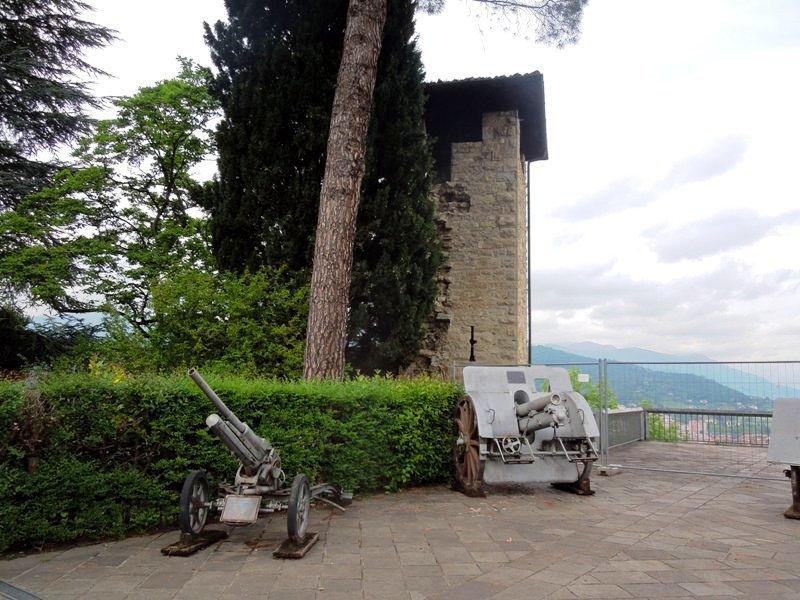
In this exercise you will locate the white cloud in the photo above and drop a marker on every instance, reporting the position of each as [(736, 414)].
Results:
[(726, 230), (728, 308), (717, 159)]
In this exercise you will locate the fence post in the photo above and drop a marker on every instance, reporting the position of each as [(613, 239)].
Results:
[(645, 423), (602, 368)]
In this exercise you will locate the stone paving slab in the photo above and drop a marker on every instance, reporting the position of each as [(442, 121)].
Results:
[(644, 535)]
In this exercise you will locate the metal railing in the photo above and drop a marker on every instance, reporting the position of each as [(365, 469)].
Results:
[(625, 426), (703, 426), (698, 426)]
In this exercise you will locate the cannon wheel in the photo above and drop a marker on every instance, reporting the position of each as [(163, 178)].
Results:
[(194, 497), (466, 449), (299, 504)]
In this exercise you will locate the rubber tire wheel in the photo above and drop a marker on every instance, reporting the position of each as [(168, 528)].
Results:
[(194, 495), (466, 456), (299, 504)]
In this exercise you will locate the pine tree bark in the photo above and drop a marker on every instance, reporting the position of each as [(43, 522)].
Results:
[(338, 206)]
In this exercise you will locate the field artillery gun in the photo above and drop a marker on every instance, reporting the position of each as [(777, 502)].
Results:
[(259, 485), (522, 425)]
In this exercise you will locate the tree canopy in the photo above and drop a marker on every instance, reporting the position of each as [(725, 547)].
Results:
[(42, 103), (278, 64), (110, 226)]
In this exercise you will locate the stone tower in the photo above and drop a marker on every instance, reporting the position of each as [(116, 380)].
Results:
[(486, 131)]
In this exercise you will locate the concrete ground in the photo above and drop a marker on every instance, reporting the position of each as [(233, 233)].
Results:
[(643, 535)]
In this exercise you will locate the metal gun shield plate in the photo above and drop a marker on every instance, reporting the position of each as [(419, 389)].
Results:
[(784, 446), (784, 439), (240, 510)]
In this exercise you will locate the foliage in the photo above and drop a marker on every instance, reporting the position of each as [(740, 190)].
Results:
[(114, 454), (277, 95), (41, 101), (591, 391), (68, 499), (111, 227), (556, 22), (277, 71), (23, 344), (249, 323), (657, 428)]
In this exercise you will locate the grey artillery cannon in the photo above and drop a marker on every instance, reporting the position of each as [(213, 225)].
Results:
[(259, 485), (522, 425)]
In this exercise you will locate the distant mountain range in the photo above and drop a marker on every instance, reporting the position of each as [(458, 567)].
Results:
[(596, 351), (687, 385)]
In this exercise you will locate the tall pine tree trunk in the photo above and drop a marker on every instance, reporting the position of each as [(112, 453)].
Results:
[(338, 205)]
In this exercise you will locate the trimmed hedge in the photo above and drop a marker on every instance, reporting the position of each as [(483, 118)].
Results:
[(83, 457)]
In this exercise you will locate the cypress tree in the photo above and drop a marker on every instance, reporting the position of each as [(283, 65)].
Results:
[(278, 62)]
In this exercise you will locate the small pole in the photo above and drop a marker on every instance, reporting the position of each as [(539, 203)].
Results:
[(472, 342)]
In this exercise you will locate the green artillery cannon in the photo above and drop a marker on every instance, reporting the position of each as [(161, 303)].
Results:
[(259, 485)]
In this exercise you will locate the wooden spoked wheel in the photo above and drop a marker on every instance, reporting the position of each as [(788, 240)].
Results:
[(466, 449)]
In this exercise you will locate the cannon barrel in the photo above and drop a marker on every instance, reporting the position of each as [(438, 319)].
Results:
[(257, 446), (212, 395), (553, 417), (544, 409), (224, 431), (538, 402)]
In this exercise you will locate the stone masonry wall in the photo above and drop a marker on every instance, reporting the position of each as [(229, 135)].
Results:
[(482, 221)]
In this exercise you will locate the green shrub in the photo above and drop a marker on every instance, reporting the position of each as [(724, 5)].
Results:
[(111, 452), (66, 498)]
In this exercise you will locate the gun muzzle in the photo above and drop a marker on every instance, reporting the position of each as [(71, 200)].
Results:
[(538, 402), (224, 431)]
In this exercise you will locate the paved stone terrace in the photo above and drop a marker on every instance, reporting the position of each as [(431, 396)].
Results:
[(643, 535)]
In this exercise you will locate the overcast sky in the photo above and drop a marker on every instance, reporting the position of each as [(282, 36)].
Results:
[(667, 216)]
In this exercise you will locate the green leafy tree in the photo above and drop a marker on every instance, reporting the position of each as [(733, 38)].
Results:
[(252, 323), (657, 427), (278, 63), (249, 324), (110, 228), (591, 391), (42, 102)]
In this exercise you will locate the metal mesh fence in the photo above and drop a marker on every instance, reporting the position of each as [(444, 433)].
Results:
[(725, 405)]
